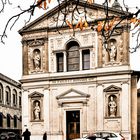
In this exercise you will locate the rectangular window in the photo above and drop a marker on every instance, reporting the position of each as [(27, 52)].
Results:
[(59, 57), (86, 59), (73, 60)]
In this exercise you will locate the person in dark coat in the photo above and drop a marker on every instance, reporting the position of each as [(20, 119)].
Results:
[(26, 134), (45, 136)]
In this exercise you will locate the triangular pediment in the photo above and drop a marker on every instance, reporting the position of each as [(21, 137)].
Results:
[(35, 94), (112, 88), (49, 19), (72, 93)]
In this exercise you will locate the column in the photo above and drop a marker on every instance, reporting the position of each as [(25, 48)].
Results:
[(65, 61), (80, 51)]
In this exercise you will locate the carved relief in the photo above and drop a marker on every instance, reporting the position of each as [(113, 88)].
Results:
[(121, 54), (110, 53), (36, 42), (51, 53), (114, 52), (87, 39), (112, 124)]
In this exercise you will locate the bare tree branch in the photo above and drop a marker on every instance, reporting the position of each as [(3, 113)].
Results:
[(17, 16), (4, 3), (75, 12)]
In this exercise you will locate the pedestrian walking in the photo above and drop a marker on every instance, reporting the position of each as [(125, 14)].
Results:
[(45, 136), (26, 134)]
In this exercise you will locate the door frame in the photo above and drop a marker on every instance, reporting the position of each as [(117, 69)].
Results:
[(65, 121)]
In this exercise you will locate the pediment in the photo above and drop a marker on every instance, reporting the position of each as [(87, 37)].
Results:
[(35, 95), (72, 93), (112, 88), (49, 19)]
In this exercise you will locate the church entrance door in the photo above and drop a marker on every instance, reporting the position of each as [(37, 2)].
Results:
[(72, 124)]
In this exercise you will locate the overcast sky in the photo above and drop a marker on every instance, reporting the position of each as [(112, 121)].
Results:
[(11, 51)]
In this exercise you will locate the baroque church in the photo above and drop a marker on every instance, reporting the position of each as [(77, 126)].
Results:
[(72, 86)]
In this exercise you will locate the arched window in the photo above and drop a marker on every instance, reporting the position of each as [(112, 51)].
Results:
[(8, 95), (8, 120), (1, 119), (14, 97), (19, 99), (72, 56), (15, 121), (1, 93)]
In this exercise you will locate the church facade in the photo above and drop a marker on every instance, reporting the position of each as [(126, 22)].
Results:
[(72, 86)]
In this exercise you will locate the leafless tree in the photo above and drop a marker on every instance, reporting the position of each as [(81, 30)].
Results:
[(105, 25)]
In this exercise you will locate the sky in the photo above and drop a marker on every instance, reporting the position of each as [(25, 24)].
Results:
[(11, 51)]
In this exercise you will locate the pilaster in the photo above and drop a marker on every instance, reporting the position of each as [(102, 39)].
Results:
[(25, 109), (46, 109), (100, 107)]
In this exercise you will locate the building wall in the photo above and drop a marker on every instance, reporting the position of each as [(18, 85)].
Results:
[(138, 115), (57, 92), (88, 92), (10, 107)]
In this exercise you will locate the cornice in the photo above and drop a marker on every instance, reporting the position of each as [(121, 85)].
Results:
[(62, 5), (75, 76), (10, 81)]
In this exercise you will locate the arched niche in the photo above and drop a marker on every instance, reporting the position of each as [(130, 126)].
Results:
[(36, 106)]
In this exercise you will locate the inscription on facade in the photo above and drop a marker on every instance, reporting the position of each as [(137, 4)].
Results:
[(73, 80)]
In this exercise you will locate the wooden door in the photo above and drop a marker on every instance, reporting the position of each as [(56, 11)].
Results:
[(72, 124)]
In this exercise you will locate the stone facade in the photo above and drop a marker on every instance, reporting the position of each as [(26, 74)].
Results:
[(73, 86), (10, 105)]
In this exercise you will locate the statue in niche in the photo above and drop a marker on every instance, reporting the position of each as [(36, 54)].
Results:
[(112, 51), (112, 107), (36, 59), (37, 110)]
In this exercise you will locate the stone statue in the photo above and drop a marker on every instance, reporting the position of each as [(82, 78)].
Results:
[(112, 107), (37, 111), (112, 52), (36, 60)]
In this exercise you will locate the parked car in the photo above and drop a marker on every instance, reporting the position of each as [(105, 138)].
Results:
[(110, 135), (8, 136), (89, 137), (103, 136)]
